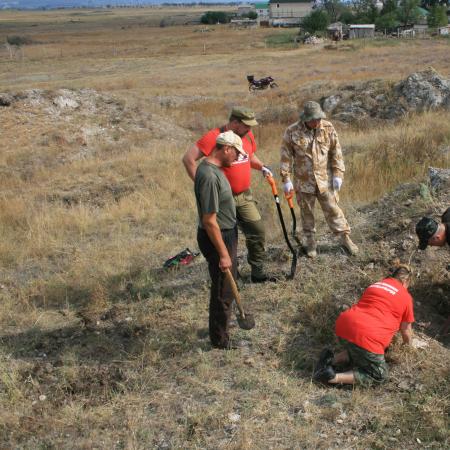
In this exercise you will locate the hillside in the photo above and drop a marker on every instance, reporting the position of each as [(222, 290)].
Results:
[(100, 347)]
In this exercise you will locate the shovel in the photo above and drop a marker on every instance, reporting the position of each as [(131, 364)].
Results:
[(245, 321), (283, 226)]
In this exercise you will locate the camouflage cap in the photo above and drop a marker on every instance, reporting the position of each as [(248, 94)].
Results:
[(231, 139), (312, 111), (245, 115), (425, 229)]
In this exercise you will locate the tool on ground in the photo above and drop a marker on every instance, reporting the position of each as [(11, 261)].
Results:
[(185, 257), (246, 321), (273, 185)]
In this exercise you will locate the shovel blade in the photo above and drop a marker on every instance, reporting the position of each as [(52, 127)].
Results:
[(247, 322)]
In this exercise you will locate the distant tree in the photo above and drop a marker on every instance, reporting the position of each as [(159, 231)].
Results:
[(317, 20), (389, 6), (408, 12), (347, 16), (213, 17), (18, 40), (365, 11), (437, 16), (253, 15), (387, 21), (362, 7), (334, 9)]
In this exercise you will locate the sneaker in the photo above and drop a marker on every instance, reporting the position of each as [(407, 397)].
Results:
[(348, 244), (324, 375), (263, 279), (325, 359)]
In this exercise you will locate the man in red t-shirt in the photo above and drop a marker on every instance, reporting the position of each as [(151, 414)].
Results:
[(367, 329), (239, 175)]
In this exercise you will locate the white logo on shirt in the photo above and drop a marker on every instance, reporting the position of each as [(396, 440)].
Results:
[(386, 287)]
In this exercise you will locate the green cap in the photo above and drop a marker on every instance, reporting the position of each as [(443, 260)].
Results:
[(312, 111), (245, 115), (425, 229)]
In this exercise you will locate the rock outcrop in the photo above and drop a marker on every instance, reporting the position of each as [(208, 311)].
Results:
[(420, 91)]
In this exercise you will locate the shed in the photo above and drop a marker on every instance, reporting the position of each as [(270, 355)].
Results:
[(362, 31), (420, 29), (334, 31)]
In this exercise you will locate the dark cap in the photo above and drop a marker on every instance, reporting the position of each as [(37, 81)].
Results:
[(245, 115), (425, 229)]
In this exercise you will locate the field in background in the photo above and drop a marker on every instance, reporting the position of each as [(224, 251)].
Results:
[(100, 348)]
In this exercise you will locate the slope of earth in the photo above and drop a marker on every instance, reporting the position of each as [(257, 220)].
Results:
[(102, 348)]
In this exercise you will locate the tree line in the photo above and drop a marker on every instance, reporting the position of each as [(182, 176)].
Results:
[(392, 15)]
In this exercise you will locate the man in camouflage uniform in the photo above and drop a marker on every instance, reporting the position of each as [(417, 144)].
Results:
[(312, 147)]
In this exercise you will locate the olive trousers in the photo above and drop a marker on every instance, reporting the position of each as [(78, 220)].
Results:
[(250, 223)]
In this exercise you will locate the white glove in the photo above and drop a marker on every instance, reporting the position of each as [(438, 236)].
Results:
[(288, 186), (266, 172), (337, 183)]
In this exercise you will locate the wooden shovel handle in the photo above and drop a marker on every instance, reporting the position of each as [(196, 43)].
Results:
[(236, 294)]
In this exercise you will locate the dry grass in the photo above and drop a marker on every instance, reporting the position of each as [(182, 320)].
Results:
[(100, 348)]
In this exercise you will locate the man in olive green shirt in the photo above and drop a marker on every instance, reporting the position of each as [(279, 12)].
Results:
[(217, 230)]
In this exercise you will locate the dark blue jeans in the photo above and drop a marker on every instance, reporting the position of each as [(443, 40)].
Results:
[(221, 295)]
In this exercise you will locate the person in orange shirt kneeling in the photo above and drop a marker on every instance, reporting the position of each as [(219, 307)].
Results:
[(367, 329)]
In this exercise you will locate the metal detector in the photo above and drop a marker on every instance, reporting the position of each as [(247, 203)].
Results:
[(271, 181)]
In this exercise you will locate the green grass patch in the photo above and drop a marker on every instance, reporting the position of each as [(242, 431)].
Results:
[(285, 39)]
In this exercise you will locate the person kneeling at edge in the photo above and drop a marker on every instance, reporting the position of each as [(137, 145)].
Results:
[(367, 329), (433, 233), (217, 230)]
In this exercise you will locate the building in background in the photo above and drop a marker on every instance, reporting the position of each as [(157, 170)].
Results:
[(285, 13), (362, 31), (244, 9), (262, 9)]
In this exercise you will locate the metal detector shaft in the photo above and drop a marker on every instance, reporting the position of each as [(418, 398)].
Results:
[(271, 181), (290, 199)]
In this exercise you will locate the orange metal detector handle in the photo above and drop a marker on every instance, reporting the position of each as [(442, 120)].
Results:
[(290, 198), (273, 185)]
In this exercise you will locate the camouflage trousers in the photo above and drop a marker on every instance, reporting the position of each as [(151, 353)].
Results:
[(328, 201), (368, 368)]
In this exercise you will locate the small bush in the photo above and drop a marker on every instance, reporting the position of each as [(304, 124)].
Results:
[(318, 20), (279, 40), (18, 40), (213, 17)]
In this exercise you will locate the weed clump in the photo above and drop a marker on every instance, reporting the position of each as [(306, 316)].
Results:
[(18, 40)]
